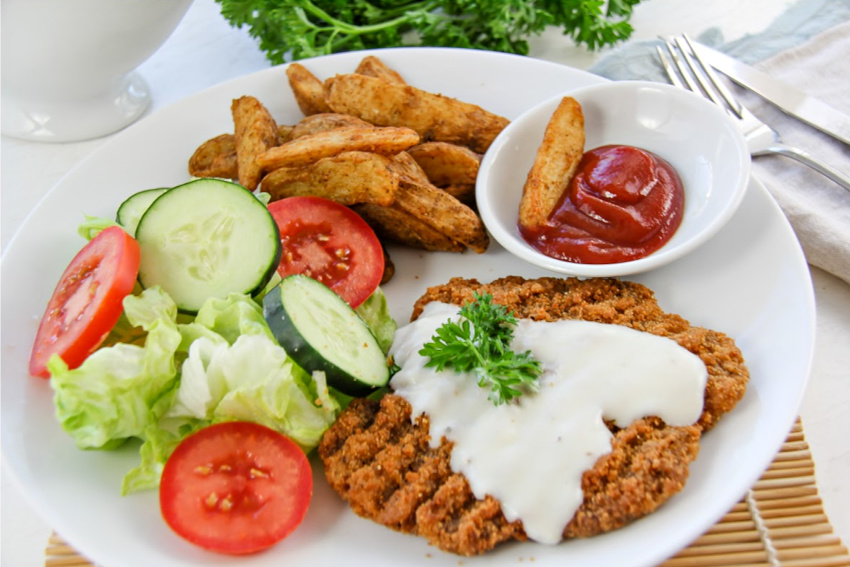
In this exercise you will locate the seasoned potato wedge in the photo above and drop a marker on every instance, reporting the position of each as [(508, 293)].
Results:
[(312, 147), (554, 165), (442, 212), (348, 178), (447, 164), (433, 116), (465, 193), (217, 156), (325, 121), (393, 224), (408, 169), (255, 131), (374, 67), (308, 90)]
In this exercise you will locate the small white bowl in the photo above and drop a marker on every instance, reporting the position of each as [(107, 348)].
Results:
[(692, 133)]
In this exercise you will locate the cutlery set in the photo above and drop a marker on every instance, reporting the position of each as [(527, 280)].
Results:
[(691, 66)]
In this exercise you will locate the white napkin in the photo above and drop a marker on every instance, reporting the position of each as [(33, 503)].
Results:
[(818, 209)]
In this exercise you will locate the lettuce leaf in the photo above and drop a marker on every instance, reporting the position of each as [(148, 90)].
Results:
[(170, 379), (162, 377), (252, 379), (376, 313), (92, 226), (119, 391)]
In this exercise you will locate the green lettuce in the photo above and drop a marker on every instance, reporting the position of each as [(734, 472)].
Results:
[(376, 313), (121, 390), (92, 226), (178, 377), (253, 379)]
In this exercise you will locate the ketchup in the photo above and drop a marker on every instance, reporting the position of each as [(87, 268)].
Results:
[(623, 203)]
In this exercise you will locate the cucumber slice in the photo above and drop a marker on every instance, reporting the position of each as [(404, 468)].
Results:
[(207, 238), (131, 210), (320, 331)]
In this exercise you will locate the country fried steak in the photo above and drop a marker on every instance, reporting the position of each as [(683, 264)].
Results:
[(378, 457)]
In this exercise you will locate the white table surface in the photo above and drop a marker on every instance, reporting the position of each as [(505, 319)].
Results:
[(205, 50)]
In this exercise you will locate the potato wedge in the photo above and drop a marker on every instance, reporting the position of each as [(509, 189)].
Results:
[(374, 67), (284, 133), (217, 156), (313, 147), (325, 121), (308, 90), (255, 131), (442, 212), (408, 169), (348, 178), (393, 224), (465, 193), (447, 164), (433, 116), (554, 165)]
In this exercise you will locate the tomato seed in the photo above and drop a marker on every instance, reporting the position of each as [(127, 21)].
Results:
[(204, 470), (211, 500)]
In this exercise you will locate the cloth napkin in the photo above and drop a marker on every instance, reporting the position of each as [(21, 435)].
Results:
[(818, 62)]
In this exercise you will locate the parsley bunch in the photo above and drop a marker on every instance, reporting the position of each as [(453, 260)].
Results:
[(307, 28), (480, 343)]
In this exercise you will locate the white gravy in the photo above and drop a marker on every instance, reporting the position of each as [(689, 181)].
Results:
[(530, 454)]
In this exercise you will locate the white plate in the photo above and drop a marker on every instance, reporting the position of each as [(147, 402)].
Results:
[(750, 281)]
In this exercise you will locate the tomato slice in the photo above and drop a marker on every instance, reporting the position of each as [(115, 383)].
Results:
[(87, 301), (235, 487), (330, 243)]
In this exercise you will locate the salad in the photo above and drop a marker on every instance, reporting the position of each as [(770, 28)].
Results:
[(187, 325)]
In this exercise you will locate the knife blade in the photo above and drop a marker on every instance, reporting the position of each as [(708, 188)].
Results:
[(789, 99)]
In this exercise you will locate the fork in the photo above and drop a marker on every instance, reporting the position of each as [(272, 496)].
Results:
[(688, 71)]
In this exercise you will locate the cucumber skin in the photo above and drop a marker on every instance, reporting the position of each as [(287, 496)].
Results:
[(121, 214), (304, 355)]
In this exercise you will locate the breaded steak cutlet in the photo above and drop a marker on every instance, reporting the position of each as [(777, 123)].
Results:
[(378, 457)]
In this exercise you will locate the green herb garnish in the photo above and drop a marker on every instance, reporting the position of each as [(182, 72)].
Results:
[(480, 343), (308, 28)]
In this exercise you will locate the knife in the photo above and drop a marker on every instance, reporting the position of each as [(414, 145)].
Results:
[(787, 98)]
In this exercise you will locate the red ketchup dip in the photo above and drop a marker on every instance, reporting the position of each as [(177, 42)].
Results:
[(623, 203)]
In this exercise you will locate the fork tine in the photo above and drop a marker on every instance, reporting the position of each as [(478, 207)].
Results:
[(718, 85), (668, 68), (682, 69), (698, 73)]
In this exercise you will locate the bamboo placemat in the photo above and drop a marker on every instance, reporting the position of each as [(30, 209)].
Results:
[(779, 523)]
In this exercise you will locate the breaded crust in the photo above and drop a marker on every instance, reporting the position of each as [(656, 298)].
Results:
[(380, 462), (378, 458)]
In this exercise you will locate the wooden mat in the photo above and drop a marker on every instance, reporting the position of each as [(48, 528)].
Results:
[(779, 523)]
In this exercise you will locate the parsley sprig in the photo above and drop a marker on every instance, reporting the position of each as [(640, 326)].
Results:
[(297, 29), (480, 342)]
